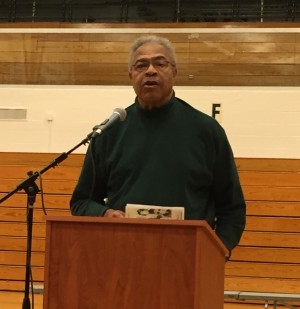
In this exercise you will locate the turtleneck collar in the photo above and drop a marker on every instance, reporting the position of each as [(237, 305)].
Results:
[(155, 111)]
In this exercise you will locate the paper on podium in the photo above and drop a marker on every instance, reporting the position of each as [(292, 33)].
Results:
[(153, 212)]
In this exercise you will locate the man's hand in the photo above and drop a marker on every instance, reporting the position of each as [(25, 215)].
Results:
[(111, 213)]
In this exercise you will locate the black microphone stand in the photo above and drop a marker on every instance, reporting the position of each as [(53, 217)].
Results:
[(31, 189)]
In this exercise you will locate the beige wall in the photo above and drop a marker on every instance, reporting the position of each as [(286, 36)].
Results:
[(260, 121)]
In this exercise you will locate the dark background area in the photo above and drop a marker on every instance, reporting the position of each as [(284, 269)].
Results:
[(129, 11)]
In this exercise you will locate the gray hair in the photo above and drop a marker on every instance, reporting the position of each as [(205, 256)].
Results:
[(152, 39)]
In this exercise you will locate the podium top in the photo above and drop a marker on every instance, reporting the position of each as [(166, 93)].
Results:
[(143, 222)]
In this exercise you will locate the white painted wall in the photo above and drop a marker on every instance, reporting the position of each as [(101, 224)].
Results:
[(262, 122)]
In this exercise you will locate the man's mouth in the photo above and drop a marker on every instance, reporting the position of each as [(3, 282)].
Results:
[(150, 83)]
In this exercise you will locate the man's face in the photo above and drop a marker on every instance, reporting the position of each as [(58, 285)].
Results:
[(152, 75)]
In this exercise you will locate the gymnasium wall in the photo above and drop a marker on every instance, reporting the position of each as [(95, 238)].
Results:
[(59, 80), (259, 121)]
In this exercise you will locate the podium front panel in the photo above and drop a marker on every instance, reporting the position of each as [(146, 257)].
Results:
[(94, 263)]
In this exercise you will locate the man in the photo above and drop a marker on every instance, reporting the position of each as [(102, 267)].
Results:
[(165, 153)]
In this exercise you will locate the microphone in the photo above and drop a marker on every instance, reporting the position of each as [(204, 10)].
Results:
[(119, 114)]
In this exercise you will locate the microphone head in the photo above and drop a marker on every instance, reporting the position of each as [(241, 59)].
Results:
[(121, 112)]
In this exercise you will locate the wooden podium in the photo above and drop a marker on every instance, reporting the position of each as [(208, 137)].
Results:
[(102, 263)]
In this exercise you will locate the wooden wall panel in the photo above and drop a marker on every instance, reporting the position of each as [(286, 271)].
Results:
[(260, 58), (270, 239), (267, 255)]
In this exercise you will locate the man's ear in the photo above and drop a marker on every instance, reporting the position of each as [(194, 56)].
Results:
[(130, 75)]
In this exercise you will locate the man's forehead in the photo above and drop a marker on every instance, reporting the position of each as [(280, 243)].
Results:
[(150, 57)]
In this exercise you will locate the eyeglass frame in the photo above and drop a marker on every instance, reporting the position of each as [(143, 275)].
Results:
[(151, 62)]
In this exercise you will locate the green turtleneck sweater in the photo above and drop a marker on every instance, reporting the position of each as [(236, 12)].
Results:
[(171, 156)]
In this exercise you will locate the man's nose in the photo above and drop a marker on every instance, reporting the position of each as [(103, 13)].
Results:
[(151, 69)]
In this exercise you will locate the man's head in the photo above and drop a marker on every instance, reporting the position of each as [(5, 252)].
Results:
[(152, 70)]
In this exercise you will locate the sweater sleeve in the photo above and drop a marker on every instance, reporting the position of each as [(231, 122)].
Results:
[(229, 200), (88, 196)]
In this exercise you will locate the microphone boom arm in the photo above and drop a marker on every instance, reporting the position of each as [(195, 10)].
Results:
[(33, 176)]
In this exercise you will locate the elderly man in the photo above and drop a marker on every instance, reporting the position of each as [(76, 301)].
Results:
[(166, 153)]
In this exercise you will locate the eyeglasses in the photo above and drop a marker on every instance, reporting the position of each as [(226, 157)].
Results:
[(158, 64)]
